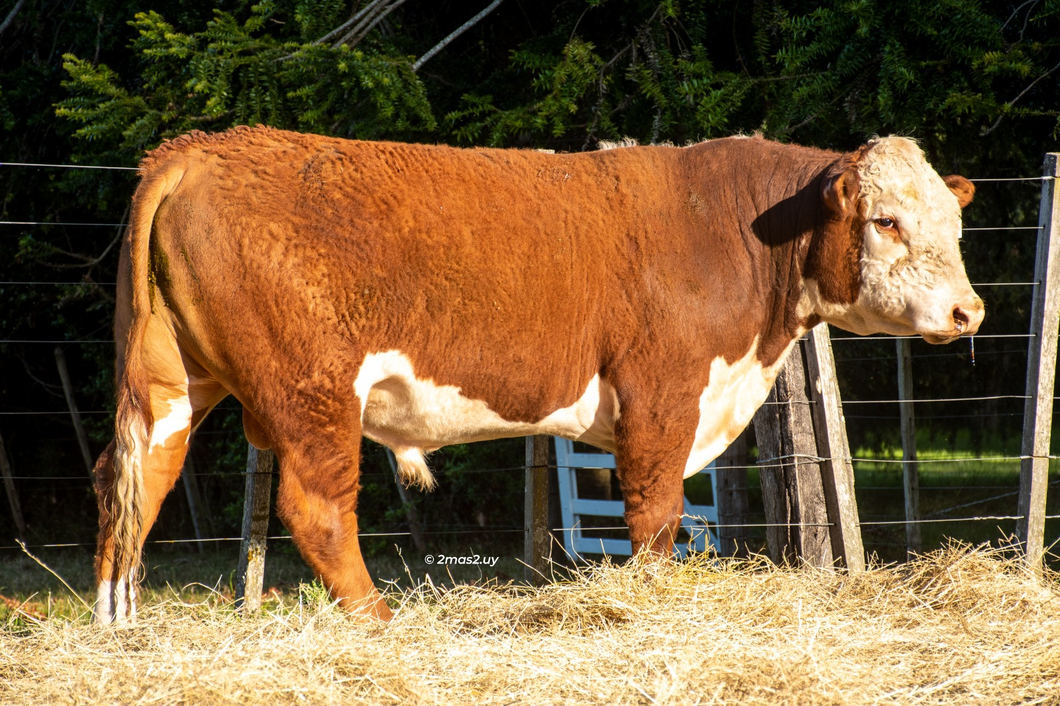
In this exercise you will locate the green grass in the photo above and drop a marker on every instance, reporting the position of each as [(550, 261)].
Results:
[(952, 490)]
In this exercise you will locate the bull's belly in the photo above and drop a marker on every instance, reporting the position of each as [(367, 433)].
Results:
[(412, 415)]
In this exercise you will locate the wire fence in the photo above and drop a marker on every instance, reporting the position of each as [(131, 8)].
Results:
[(479, 531), (936, 517)]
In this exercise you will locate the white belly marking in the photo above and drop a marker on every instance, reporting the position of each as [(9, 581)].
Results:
[(728, 402), (410, 414)]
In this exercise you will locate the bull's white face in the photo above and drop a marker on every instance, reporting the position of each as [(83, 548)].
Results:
[(913, 280)]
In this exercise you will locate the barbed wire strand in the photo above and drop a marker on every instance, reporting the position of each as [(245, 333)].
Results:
[(237, 476), (62, 223), (90, 166), (112, 284), (775, 462), (979, 337), (59, 284), (66, 166), (982, 228), (968, 229), (978, 180), (924, 400), (606, 528), (92, 224)]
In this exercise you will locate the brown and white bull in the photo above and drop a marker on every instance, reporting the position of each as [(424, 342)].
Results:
[(640, 299)]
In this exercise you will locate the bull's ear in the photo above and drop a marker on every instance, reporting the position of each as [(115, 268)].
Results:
[(961, 187), (840, 191)]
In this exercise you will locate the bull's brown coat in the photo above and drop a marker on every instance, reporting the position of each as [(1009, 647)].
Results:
[(268, 265)]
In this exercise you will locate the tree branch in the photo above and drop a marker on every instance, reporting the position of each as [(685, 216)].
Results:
[(353, 20), (11, 15), (459, 30), (1014, 12), (602, 90), (1013, 101), (88, 261), (355, 35)]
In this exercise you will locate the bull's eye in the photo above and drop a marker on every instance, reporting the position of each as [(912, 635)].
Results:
[(885, 223)]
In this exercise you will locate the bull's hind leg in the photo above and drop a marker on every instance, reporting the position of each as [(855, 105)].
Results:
[(178, 402), (319, 481)]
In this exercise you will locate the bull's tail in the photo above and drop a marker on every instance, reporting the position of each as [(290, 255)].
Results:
[(122, 492)]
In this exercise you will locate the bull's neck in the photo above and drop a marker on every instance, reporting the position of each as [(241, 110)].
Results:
[(784, 216)]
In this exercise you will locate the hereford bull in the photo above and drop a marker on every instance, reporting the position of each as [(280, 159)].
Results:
[(640, 299)]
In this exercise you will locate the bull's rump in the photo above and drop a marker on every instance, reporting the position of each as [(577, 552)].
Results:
[(513, 275)]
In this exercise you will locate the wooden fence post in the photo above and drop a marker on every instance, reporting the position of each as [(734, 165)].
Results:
[(535, 524), (12, 492), (832, 445), (75, 415), (256, 511), (730, 470), (910, 469), (1041, 372), (792, 488)]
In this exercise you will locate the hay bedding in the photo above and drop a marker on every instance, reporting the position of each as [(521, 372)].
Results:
[(959, 626)]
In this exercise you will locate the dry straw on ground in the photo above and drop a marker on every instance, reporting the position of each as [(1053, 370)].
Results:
[(959, 626)]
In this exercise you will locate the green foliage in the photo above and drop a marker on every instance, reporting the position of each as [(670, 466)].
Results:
[(316, 18), (565, 81), (828, 74), (903, 67), (233, 73), (653, 84), (314, 596)]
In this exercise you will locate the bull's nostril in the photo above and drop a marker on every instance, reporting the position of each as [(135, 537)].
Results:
[(960, 316)]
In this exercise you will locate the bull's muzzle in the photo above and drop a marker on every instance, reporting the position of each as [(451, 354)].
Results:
[(965, 317)]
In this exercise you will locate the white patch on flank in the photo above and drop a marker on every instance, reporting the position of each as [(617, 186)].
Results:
[(728, 402), (178, 420), (413, 415)]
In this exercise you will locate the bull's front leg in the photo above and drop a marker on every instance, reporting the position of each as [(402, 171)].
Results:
[(650, 459)]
